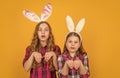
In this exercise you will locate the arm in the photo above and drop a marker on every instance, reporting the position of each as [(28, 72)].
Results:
[(85, 63), (82, 68), (82, 65), (55, 61), (34, 56), (28, 63), (62, 68), (29, 58), (55, 57)]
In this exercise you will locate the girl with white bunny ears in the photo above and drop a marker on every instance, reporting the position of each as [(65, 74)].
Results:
[(73, 62), (79, 27), (41, 55)]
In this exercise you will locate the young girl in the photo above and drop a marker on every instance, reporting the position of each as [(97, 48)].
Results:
[(41, 55), (73, 63)]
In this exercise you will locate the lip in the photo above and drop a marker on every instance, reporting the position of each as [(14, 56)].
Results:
[(43, 36), (72, 47)]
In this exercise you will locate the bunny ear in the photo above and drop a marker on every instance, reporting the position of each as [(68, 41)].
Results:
[(46, 12), (31, 16), (80, 25), (70, 23)]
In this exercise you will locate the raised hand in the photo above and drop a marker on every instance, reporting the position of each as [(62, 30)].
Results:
[(37, 56), (77, 64), (48, 55), (70, 63)]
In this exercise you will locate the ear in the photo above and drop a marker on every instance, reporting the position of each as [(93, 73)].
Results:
[(31, 16), (46, 12), (70, 23), (80, 25)]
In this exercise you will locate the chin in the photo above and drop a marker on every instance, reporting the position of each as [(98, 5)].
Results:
[(43, 40), (72, 51)]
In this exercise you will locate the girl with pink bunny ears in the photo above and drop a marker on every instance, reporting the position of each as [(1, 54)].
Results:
[(73, 62), (41, 55)]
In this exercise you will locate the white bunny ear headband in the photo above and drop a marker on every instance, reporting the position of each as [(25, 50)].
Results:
[(46, 12), (79, 27)]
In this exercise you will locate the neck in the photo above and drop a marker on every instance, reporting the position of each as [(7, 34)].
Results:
[(72, 54), (43, 43)]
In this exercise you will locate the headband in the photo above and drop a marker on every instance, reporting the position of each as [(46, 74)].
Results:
[(45, 14), (79, 26)]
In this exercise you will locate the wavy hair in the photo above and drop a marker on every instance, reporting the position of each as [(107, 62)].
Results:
[(36, 46)]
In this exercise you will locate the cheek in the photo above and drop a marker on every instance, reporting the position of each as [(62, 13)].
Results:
[(77, 46), (67, 45), (47, 34), (39, 34)]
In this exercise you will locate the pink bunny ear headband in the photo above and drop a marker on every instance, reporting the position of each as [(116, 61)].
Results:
[(79, 27), (46, 12)]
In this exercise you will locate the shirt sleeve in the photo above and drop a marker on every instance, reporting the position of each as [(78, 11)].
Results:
[(27, 55), (86, 65), (57, 51)]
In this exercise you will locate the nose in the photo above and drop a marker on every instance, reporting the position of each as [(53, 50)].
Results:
[(73, 44), (43, 32)]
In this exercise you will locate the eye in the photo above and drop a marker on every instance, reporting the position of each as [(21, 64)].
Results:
[(75, 42), (39, 29), (70, 41), (46, 29)]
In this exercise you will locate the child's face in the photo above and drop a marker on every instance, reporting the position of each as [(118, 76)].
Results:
[(72, 44), (43, 32)]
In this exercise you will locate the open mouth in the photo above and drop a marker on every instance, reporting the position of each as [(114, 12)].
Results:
[(43, 36)]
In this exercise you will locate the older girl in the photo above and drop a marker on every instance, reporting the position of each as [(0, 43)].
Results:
[(41, 54)]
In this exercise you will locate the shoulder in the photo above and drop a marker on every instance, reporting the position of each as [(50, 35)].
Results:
[(56, 46), (28, 48), (63, 57), (84, 55)]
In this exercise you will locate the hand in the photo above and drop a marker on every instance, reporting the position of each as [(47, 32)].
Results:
[(70, 63), (37, 56), (77, 64), (48, 55)]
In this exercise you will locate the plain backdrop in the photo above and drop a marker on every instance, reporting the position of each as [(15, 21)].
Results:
[(100, 34)]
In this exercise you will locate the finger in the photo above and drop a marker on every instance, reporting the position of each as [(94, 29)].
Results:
[(38, 60), (71, 66), (46, 58), (76, 67)]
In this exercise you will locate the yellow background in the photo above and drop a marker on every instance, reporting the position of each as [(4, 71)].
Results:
[(100, 34)]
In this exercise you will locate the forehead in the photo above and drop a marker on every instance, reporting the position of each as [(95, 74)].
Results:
[(43, 25), (73, 37)]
